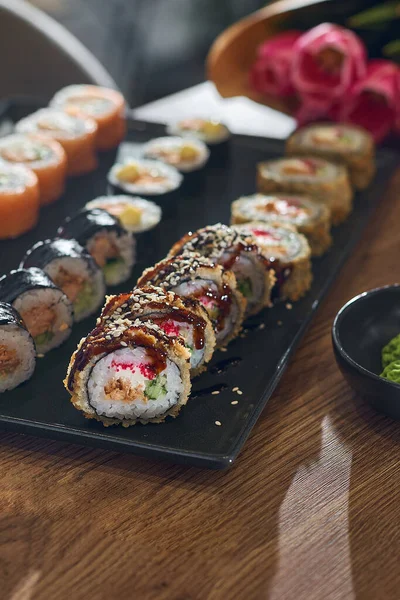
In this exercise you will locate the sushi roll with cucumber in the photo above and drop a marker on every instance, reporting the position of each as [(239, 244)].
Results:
[(109, 244), (209, 131), (186, 155), (17, 349), (308, 216), (73, 270), (45, 309), (235, 252), (177, 316), (349, 145), (288, 252), (326, 182), (135, 214), (144, 177), (19, 200), (193, 276), (126, 372)]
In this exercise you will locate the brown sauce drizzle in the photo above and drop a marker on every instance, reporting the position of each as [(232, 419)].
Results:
[(223, 299)]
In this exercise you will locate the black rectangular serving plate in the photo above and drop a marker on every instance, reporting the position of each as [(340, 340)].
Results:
[(254, 362)]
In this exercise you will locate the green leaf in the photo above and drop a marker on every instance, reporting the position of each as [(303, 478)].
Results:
[(377, 14), (392, 48)]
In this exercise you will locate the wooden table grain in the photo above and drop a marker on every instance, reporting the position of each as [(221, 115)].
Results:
[(310, 510)]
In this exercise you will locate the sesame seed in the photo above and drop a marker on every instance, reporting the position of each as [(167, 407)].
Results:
[(215, 393), (235, 402), (123, 343), (279, 323), (223, 349), (235, 389), (218, 423), (289, 306), (239, 392), (40, 355), (262, 326)]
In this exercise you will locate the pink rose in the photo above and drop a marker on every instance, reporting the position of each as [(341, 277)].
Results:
[(373, 101), (270, 73), (397, 124)]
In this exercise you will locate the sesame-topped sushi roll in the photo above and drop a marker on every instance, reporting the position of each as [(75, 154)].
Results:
[(111, 246), (73, 270), (45, 157), (19, 200), (309, 216), (77, 135), (124, 373), (17, 349), (177, 316), (325, 181), (145, 177), (184, 154), (103, 105), (209, 131), (135, 214), (347, 144), (235, 252), (194, 276), (289, 253)]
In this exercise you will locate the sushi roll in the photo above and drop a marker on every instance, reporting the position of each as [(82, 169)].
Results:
[(194, 276), (289, 254), (73, 270), (19, 200), (177, 316), (347, 144), (125, 372), (235, 252), (109, 244), (326, 182), (17, 350), (44, 308), (135, 214), (310, 217), (77, 135), (45, 157), (186, 155), (209, 131), (144, 177), (103, 105)]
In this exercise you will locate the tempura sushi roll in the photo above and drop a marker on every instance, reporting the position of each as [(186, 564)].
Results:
[(17, 350), (128, 372), (237, 253), (44, 308), (177, 316), (103, 105), (145, 177), (325, 181), (77, 135), (194, 276), (347, 144), (73, 270), (111, 246), (309, 216), (209, 131), (135, 214), (289, 254), (19, 200), (45, 157), (186, 155)]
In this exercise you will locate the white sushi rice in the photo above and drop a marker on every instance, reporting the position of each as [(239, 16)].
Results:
[(126, 245), (222, 136), (81, 95), (150, 212), (248, 267), (173, 178), (51, 122), (18, 341), (33, 151), (172, 144), (106, 371)]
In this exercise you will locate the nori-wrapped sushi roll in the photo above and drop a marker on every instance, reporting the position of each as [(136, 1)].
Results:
[(144, 177), (17, 349), (186, 155)]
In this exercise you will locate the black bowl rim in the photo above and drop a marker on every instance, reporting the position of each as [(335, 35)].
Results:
[(336, 337)]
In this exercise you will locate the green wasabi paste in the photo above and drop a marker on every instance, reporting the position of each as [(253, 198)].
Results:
[(391, 351), (392, 371)]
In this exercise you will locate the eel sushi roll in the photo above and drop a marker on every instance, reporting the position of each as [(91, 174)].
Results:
[(177, 316), (310, 217), (326, 182), (77, 135), (19, 200), (125, 372), (109, 244), (194, 276), (103, 105), (186, 155), (17, 349), (144, 177), (73, 270), (347, 144), (235, 252), (209, 131), (288, 252), (45, 157), (135, 214), (45, 309)]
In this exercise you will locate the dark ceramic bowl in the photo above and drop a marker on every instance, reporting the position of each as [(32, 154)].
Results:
[(360, 330)]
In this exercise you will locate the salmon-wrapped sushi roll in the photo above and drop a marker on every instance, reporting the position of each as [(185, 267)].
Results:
[(45, 157), (105, 106), (194, 276), (325, 181), (347, 144), (19, 200), (177, 316), (77, 135), (125, 372)]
